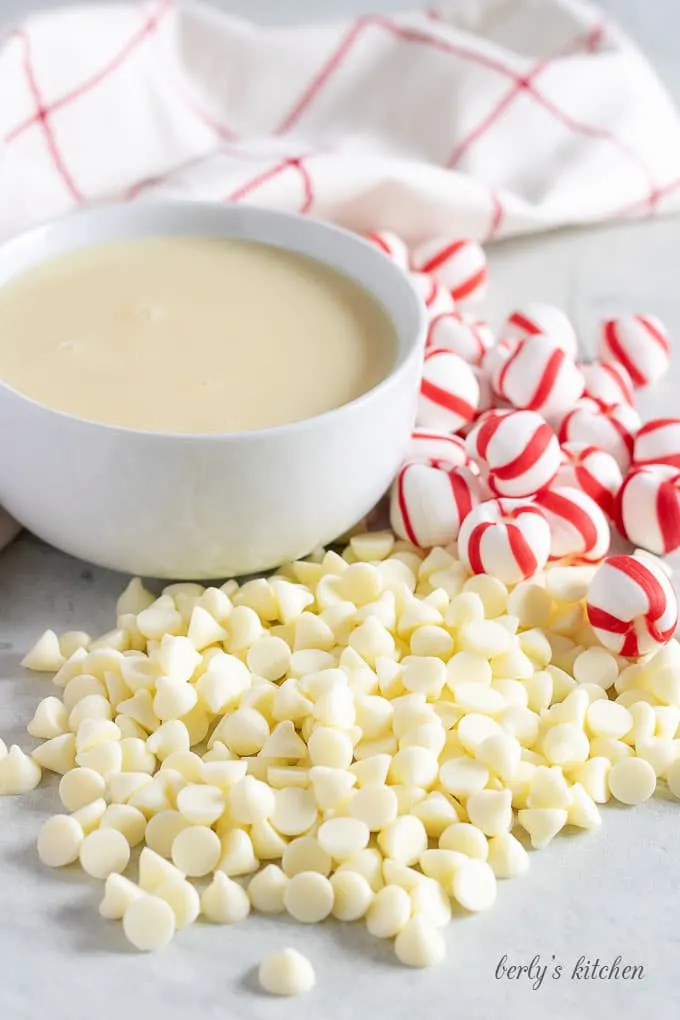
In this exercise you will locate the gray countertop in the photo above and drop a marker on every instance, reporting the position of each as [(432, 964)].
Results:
[(608, 894)]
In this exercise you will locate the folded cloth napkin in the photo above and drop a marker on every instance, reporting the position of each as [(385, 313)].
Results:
[(493, 118)]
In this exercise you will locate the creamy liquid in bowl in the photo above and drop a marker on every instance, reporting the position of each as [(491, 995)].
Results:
[(191, 334)]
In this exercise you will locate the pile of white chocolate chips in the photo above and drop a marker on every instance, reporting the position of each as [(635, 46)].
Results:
[(367, 735), (373, 734)]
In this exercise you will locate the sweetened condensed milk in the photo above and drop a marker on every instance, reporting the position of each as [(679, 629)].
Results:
[(191, 334)]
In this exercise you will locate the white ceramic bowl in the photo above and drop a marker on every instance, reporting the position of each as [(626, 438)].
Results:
[(207, 506)]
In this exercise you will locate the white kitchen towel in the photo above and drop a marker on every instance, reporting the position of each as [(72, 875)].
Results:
[(491, 118)]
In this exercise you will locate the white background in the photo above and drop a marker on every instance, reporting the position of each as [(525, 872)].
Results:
[(614, 892)]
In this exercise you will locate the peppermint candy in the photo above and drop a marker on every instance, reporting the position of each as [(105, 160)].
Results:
[(436, 298), (608, 381), (578, 528), (632, 606), (640, 343), (507, 538), (658, 442), (428, 505), (449, 391), (493, 359), (458, 265), (487, 398), (517, 452), (538, 317), (538, 376), (648, 508), (390, 244), (463, 334), (440, 449), (611, 428), (592, 470)]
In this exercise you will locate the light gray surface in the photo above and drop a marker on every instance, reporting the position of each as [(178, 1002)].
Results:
[(614, 892)]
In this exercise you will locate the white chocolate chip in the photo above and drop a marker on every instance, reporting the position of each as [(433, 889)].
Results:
[(596, 666), (431, 901), (200, 804), (238, 853), (59, 841), (268, 657), (79, 787), (343, 837), (375, 805), (196, 851), (182, 898), (308, 897), (463, 776), (566, 744), (244, 731), (49, 720), (154, 870), (224, 901), (286, 973), (419, 944), (332, 748), (632, 780), (119, 893), (267, 890), (45, 656), (19, 773), (126, 819), (542, 824), (484, 637), (90, 816), (306, 854), (507, 856), (104, 851), (295, 810), (474, 885), (583, 811), (149, 923), (605, 718), (403, 839), (466, 839), (490, 811), (352, 895), (389, 912)]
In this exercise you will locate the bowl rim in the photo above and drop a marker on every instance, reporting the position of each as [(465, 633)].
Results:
[(413, 332)]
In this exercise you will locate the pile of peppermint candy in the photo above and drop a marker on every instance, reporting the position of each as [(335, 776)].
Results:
[(523, 455)]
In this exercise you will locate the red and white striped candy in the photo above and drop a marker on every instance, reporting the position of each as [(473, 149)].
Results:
[(487, 397), (428, 505), (593, 471), (578, 528), (538, 317), (441, 449), (538, 376), (458, 265), (640, 343), (508, 538), (495, 356), (517, 452), (611, 428), (487, 401), (462, 334), (608, 381), (390, 244), (648, 508), (449, 391), (437, 299), (658, 442), (632, 606)]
